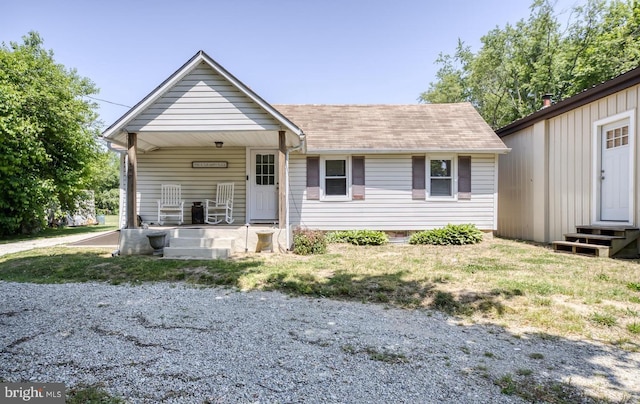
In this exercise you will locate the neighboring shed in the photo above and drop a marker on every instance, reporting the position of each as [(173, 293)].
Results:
[(573, 168)]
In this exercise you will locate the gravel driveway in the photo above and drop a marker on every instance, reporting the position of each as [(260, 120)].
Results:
[(175, 343)]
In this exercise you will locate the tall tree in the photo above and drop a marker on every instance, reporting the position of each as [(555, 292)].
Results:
[(518, 64), (48, 134)]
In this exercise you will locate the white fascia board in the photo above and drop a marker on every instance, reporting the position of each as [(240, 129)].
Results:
[(391, 151), (152, 97), (121, 123)]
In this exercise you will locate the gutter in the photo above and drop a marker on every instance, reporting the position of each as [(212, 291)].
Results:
[(503, 150)]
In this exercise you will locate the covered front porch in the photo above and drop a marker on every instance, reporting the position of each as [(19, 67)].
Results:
[(199, 128)]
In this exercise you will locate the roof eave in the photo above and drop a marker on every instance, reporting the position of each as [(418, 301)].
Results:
[(500, 150), (621, 82)]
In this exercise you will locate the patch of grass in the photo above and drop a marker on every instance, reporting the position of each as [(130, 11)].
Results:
[(525, 387), (90, 394), (376, 355), (524, 372), (536, 355), (541, 301), (489, 354), (507, 384), (383, 356), (635, 286), (606, 320), (634, 328)]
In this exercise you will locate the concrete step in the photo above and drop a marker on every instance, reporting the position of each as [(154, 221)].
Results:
[(216, 242), (595, 250), (196, 253)]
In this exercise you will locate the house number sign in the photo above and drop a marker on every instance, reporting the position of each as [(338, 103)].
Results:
[(209, 164)]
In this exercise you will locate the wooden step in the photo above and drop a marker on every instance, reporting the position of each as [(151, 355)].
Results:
[(592, 238), (605, 230), (595, 250)]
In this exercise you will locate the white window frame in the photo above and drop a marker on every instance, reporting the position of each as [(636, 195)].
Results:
[(454, 177), (323, 193)]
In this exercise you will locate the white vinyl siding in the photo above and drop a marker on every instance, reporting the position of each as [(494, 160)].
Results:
[(173, 166), (388, 204), (568, 180), (203, 101)]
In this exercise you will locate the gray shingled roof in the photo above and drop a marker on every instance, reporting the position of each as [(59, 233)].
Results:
[(385, 128)]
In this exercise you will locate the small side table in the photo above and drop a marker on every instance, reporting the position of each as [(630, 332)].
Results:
[(197, 213), (265, 241)]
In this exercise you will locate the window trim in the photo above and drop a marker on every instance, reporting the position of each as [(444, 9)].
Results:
[(323, 193), (454, 177)]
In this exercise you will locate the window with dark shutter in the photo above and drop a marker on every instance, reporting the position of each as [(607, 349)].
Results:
[(313, 178), (464, 177), (357, 177), (418, 177)]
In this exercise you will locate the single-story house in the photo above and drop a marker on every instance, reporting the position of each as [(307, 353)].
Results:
[(327, 167), (573, 170)]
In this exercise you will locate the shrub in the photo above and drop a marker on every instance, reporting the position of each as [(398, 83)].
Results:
[(451, 234), (358, 237), (306, 242)]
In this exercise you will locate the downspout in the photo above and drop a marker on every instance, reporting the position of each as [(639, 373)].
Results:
[(287, 190)]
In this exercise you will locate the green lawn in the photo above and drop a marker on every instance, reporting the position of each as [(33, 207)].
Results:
[(521, 286)]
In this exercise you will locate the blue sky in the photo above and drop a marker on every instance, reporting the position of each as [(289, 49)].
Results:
[(288, 51)]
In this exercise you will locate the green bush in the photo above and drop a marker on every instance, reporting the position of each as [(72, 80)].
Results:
[(451, 234), (108, 201), (358, 237), (307, 242)]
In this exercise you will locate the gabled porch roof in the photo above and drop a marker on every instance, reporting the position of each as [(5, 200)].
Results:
[(199, 104)]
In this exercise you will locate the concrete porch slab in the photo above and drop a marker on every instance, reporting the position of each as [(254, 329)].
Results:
[(239, 239)]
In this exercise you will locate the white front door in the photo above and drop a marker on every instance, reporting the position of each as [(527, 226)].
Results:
[(264, 186), (614, 174)]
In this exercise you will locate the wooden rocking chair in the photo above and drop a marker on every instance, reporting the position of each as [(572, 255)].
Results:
[(170, 204), (222, 208)]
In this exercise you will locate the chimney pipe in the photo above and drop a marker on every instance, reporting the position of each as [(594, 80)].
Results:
[(546, 101)]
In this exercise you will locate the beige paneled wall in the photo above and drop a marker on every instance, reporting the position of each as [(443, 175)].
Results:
[(569, 159)]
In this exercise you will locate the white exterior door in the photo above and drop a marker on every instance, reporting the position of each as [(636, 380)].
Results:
[(614, 174), (264, 186)]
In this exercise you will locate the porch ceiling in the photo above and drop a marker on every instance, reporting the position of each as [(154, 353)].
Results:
[(149, 141)]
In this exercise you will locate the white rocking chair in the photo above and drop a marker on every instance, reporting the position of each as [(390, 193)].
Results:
[(170, 204), (222, 208)]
